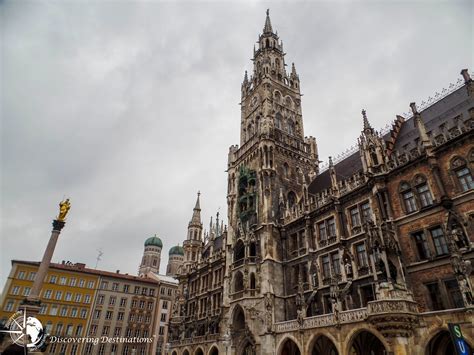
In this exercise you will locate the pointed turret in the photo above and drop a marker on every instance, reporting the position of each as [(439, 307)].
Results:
[(196, 219), (268, 24), (367, 126)]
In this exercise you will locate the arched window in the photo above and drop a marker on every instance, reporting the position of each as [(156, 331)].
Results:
[(253, 249), (286, 170), (463, 174), (423, 191), (291, 199), (252, 281), (408, 197), (238, 282), (278, 121), (291, 126), (239, 251), (277, 63)]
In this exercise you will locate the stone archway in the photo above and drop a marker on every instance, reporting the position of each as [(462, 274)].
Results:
[(442, 344), (323, 346), (186, 352), (289, 347), (214, 351), (198, 351), (366, 343)]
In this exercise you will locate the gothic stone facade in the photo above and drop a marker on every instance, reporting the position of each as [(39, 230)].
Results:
[(370, 256)]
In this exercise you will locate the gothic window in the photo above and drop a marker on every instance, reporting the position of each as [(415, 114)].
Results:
[(361, 255), (239, 251), (253, 249), (439, 241), (291, 127), (421, 245), (434, 295), (424, 194), (278, 121), (286, 170), (408, 197), (454, 294), (336, 265), (326, 267), (322, 231), (355, 216), (463, 174), (291, 199), (277, 63), (252, 281), (239, 282), (366, 212)]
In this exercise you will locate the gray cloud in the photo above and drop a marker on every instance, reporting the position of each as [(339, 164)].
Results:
[(129, 107)]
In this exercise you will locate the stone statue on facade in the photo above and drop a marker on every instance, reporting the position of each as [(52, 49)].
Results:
[(268, 311)]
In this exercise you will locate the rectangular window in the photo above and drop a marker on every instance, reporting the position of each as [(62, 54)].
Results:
[(123, 302), (105, 330), (435, 296), (165, 305), (152, 292), (87, 299), (120, 315), (53, 279), (322, 231), (144, 291), (409, 201), (162, 330), (424, 195), (336, 265), (15, 290), (137, 290), (93, 330), (100, 299), (72, 281), (366, 212), (117, 331), (115, 286), (331, 222), (32, 276), (134, 303), (163, 317), (9, 306), (74, 312), (150, 306), (82, 283), (21, 275), (54, 310), (62, 280), (26, 291), (361, 255), (454, 294), (78, 297), (421, 245), (108, 315), (142, 304), (465, 179), (59, 295), (79, 330), (97, 314), (366, 295), (104, 285), (68, 296), (83, 313), (90, 284), (112, 300), (47, 294), (439, 241), (326, 267), (126, 288), (63, 312), (355, 216)]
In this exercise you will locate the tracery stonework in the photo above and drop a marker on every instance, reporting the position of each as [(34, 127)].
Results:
[(365, 255)]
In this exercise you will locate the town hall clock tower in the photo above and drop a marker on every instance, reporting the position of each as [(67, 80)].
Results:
[(268, 178)]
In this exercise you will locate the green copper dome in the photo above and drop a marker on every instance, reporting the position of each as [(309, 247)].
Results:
[(176, 250), (154, 241)]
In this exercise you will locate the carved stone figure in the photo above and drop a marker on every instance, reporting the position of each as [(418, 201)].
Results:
[(64, 207)]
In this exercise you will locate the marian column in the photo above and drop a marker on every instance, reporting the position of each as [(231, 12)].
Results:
[(32, 302)]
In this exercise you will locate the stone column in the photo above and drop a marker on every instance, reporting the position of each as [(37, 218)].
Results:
[(47, 256)]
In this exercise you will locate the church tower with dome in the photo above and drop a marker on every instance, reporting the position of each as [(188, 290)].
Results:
[(151, 256), (175, 260)]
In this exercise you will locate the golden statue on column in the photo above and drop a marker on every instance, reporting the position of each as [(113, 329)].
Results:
[(64, 207)]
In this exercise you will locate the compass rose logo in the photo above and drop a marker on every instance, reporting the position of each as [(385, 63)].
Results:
[(25, 331)]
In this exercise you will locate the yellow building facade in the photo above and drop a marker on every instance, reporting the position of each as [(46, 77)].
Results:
[(67, 297)]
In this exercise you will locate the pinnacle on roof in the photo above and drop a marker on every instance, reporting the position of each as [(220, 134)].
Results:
[(366, 121), (196, 219), (268, 25)]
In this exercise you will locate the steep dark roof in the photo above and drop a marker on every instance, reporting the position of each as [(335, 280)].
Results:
[(344, 170)]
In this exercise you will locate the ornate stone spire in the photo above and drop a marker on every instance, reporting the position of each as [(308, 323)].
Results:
[(196, 219), (268, 24), (367, 125)]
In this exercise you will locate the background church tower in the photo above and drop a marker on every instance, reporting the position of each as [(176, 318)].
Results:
[(268, 177), (151, 256), (193, 244), (175, 260)]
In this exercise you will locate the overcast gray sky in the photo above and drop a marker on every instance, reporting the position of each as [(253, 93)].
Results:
[(129, 107)]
